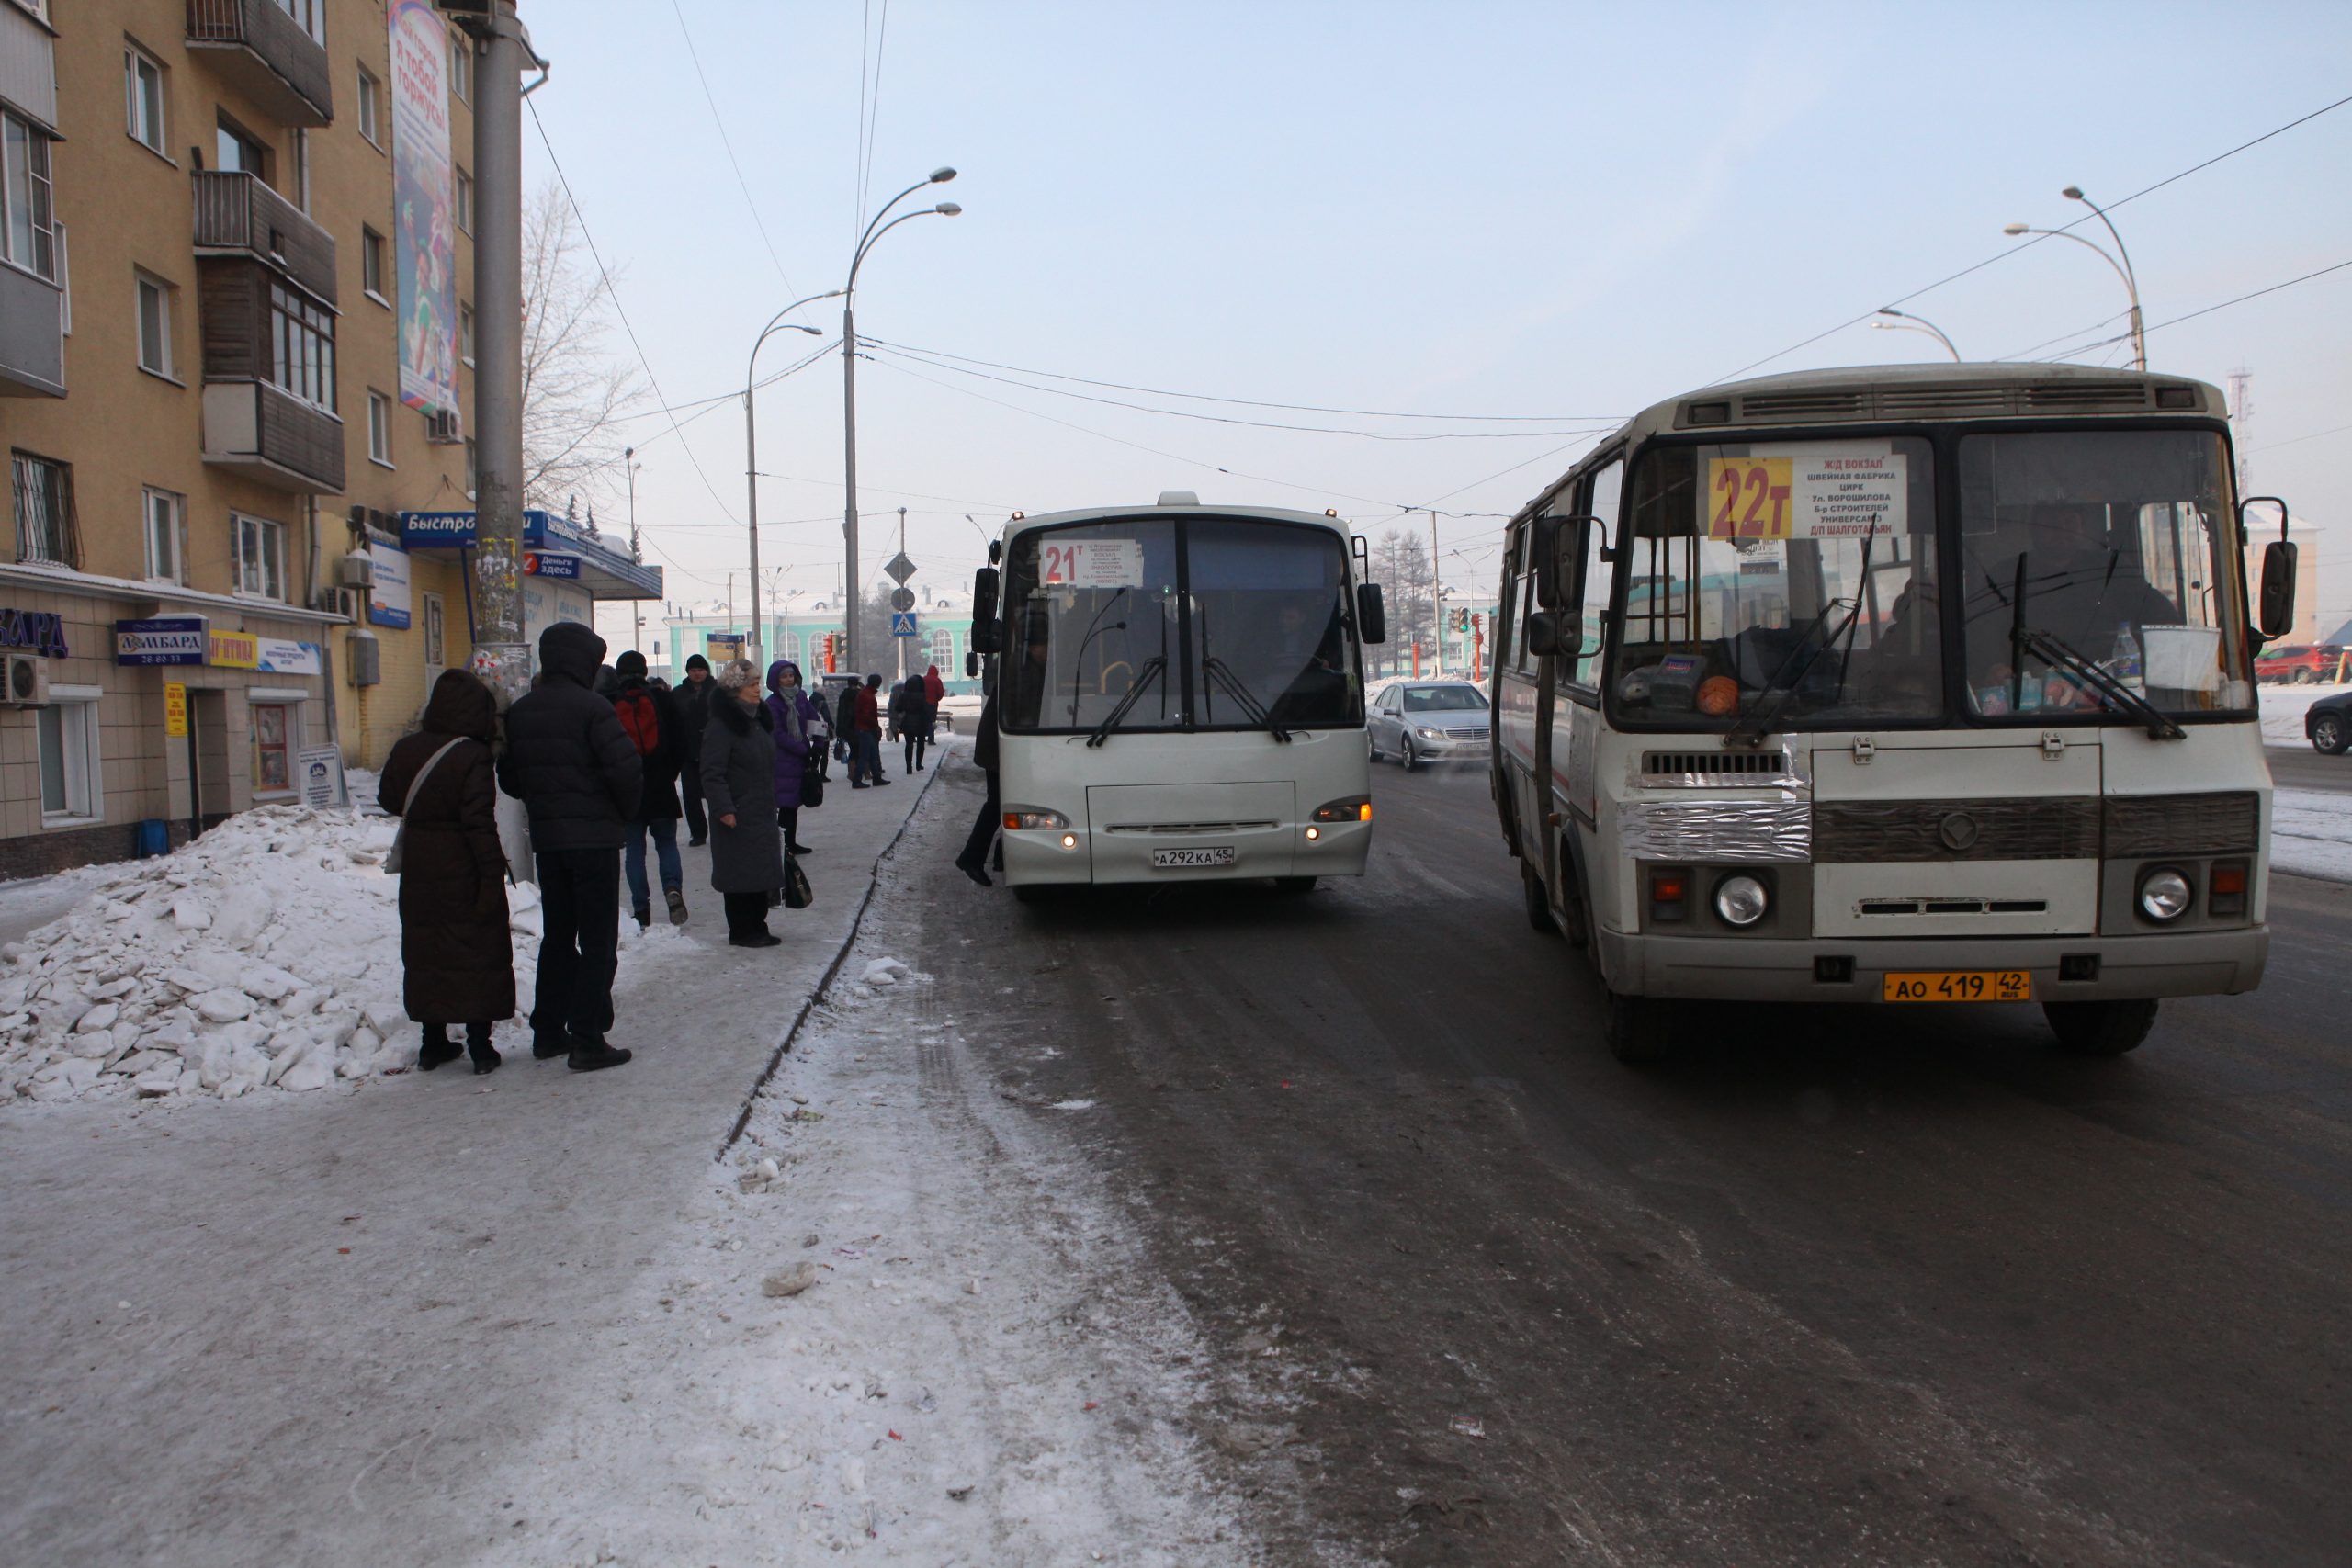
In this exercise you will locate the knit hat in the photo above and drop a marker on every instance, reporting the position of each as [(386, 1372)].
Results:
[(736, 674), (696, 662), (629, 663)]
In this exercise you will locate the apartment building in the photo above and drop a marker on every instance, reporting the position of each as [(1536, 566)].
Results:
[(226, 369)]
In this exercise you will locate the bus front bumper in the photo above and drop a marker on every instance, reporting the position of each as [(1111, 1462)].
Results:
[(1038, 856), (2185, 964)]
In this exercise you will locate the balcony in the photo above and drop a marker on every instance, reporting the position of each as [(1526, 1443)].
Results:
[(261, 431), (32, 337), (265, 54), (238, 215)]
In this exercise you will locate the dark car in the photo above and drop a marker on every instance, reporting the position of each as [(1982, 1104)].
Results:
[(1418, 722), (2327, 724)]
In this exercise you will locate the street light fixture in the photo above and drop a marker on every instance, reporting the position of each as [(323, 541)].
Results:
[(848, 291), (2123, 268), (1906, 322), (750, 448)]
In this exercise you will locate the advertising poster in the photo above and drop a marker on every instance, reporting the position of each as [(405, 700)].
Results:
[(388, 600), (424, 206)]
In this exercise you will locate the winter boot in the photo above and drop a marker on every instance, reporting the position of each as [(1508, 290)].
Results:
[(643, 914), (477, 1046), (590, 1052), (677, 905), (437, 1048)]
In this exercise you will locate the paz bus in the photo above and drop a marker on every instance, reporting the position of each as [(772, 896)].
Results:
[(1179, 694), (1897, 685)]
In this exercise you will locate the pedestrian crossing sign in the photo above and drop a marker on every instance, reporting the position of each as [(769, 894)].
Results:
[(902, 624)]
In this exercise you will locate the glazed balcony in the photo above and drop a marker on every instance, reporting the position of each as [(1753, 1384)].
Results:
[(265, 54), (33, 336)]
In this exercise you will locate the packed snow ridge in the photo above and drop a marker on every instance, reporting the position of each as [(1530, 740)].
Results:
[(264, 955)]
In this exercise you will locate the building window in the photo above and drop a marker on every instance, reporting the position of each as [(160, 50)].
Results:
[(143, 98), (371, 264), (943, 651), (436, 645), (44, 495), (371, 108), (380, 429), (311, 15), (165, 523), (154, 324), (301, 337), (240, 153), (461, 65), (466, 333), (275, 740), (25, 232), (302, 169), (68, 731), (65, 283), (38, 7), (465, 202), (261, 556)]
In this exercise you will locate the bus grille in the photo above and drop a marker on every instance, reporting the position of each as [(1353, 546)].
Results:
[(1854, 831), (2226, 822), (1699, 768)]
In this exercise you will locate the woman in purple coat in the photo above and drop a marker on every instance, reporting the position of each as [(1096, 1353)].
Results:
[(790, 710)]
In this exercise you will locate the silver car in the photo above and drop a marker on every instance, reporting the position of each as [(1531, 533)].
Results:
[(1420, 722)]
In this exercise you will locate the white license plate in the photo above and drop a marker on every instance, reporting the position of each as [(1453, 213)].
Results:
[(1218, 854)]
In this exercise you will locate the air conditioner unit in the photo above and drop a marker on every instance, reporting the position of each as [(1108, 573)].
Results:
[(345, 602), (27, 682), (443, 428), (354, 570)]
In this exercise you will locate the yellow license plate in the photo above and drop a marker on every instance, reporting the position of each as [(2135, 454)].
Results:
[(1959, 986)]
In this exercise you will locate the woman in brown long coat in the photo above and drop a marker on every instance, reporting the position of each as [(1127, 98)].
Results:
[(454, 942)]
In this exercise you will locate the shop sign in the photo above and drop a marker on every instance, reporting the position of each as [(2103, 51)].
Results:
[(547, 563), (235, 650), (436, 530), (321, 771), (163, 639), (176, 710), (279, 657)]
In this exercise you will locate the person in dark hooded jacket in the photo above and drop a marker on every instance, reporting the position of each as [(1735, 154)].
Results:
[(648, 715), (569, 761), (739, 756), (457, 957), (694, 712)]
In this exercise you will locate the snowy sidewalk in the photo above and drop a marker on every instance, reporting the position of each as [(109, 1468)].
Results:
[(320, 1328)]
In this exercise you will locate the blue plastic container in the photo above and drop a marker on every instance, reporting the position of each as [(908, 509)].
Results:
[(154, 837)]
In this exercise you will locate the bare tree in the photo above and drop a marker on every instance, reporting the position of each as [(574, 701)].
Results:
[(1400, 560), (574, 390)]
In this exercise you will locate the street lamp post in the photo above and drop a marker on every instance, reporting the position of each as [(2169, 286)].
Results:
[(848, 291), (750, 451), (1904, 322), (636, 542), (2122, 268)]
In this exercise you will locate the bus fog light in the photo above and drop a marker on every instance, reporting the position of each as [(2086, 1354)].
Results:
[(1312, 834), (1741, 900), (1017, 817), (2164, 895), (1070, 840)]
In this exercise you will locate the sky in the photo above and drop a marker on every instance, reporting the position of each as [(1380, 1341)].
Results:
[(1552, 215)]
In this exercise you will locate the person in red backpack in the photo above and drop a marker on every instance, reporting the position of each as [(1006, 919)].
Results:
[(650, 718)]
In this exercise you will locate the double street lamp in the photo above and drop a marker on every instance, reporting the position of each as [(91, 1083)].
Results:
[(750, 450), (2122, 268), (1904, 321), (848, 291)]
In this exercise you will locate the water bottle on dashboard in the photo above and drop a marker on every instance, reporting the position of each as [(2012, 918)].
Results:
[(2124, 661)]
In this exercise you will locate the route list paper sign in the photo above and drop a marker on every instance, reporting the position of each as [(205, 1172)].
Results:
[(1091, 563), (1808, 492)]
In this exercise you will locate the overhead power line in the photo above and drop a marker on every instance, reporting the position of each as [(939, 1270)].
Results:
[(727, 142)]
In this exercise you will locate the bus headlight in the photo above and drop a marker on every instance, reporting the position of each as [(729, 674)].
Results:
[(2164, 895), (1741, 900), (1355, 808), (1018, 818)]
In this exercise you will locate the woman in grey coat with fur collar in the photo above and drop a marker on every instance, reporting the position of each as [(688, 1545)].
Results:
[(739, 791)]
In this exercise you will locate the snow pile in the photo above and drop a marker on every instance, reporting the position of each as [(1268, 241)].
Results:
[(266, 954)]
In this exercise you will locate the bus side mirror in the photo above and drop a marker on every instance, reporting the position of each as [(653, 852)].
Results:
[(1543, 553), (971, 665), (1543, 633), (2275, 615), (1557, 547), (985, 634), (1372, 612)]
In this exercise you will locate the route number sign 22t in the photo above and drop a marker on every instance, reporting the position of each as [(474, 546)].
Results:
[(1749, 498)]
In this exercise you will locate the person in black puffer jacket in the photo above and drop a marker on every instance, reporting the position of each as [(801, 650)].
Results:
[(569, 761), (693, 700)]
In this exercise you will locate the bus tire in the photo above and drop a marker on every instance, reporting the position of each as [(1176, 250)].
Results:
[(1639, 1029), (2100, 1029), (1412, 759), (1539, 907), (1293, 885)]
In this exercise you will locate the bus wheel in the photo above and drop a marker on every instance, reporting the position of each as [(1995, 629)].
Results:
[(2100, 1029), (1412, 758), (1638, 1029), (1293, 885), (1538, 908)]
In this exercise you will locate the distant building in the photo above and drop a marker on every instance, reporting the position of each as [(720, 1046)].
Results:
[(797, 624)]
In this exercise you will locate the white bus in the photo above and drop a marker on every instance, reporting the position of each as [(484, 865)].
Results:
[(1180, 694), (1896, 686)]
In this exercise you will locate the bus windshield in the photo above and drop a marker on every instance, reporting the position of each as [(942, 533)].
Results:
[(1793, 580), (1208, 623)]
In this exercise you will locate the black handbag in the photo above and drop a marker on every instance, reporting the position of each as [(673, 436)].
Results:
[(812, 780), (797, 895)]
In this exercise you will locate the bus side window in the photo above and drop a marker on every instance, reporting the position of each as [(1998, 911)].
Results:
[(1608, 486), (1525, 662), (1505, 601)]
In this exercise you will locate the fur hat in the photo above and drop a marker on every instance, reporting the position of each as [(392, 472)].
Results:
[(736, 674)]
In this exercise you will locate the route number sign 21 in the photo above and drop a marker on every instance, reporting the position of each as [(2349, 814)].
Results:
[(1748, 498)]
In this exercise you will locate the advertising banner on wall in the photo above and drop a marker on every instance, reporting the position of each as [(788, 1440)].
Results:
[(388, 599), (424, 206)]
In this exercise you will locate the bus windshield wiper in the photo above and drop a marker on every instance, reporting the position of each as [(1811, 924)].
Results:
[(2111, 692), (1752, 726), (1222, 676), (1153, 669)]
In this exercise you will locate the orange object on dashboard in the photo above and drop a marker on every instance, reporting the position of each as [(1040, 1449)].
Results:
[(1718, 695)]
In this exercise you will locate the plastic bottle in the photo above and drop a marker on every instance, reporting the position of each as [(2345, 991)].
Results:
[(2123, 662)]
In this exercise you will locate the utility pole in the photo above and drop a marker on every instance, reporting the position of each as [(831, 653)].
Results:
[(1437, 592), (849, 479), (635, 543), (901, 640), (501, 656)]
